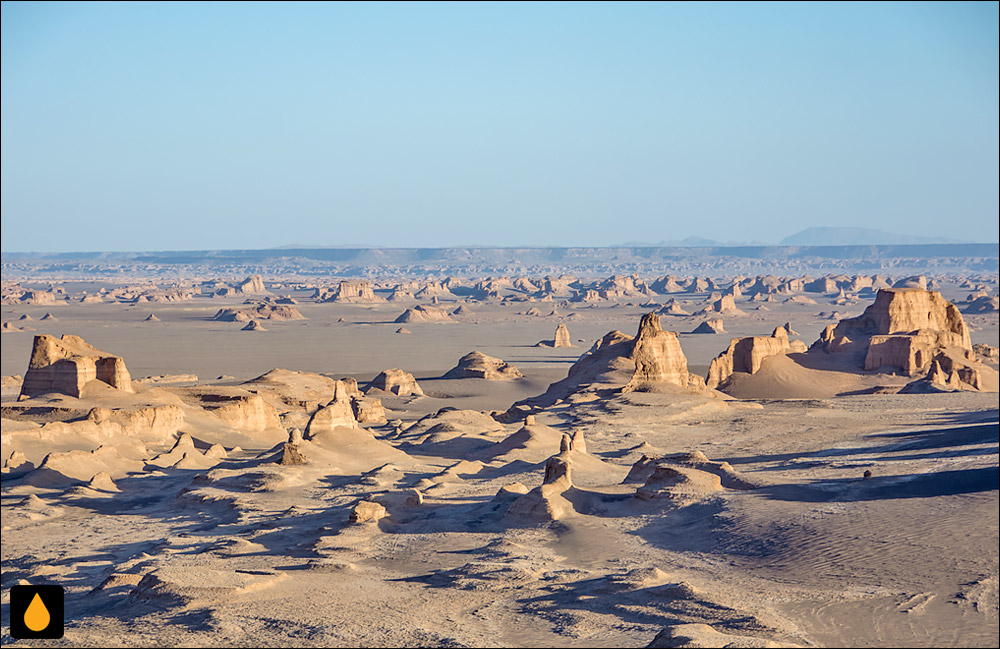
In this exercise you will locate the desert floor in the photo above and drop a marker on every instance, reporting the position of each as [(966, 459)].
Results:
[(802, 551)]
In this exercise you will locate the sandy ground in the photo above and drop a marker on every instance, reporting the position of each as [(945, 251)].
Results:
[(798, 548)]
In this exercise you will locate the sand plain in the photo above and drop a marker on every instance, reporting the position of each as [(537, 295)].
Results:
[(787, 544)]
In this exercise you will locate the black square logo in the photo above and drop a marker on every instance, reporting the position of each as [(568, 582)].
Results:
[(36, 612)]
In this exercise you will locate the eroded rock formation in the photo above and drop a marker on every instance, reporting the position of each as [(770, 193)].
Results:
[(396, 381), (747, 354), (66, 365), (477, 365)]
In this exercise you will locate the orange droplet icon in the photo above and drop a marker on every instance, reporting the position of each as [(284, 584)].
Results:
[(36, 617)]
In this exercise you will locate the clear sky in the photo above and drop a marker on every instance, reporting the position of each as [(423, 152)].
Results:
[(152, 126)]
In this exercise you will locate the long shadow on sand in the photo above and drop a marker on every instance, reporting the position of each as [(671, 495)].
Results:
[(978, 439), (920, 485)]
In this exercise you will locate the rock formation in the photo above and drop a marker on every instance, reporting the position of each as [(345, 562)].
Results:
[(338, 413), (254, 325), (421, 313), (66, 365), (368, 410), (546, 502), (651, 361), (672, 307), (725, 305), (262, 311), (396, 381), (747, 354), (367, 511), (561, 339), (252, 285), (476, 365), (821, 285), (986, 353), (907, 330), (983, 304), (901, 329), (710, 326), (354, 291)]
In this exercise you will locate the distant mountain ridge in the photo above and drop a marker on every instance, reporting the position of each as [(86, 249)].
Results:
[(815, 236), (849, 236)]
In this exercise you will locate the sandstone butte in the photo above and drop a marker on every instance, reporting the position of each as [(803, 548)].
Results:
[(66, 365)]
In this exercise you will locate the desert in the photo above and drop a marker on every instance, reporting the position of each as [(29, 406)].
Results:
[(500, 324), (643, 476)]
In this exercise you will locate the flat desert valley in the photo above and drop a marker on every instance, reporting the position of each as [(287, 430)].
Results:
[(586, 454)]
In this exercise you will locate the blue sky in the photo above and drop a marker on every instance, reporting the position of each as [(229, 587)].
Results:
[(152, 126)]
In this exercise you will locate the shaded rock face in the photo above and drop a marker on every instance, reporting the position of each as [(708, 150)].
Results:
[(290, 455), (477, 365), (66, 365), (747, 354), (397, 382)]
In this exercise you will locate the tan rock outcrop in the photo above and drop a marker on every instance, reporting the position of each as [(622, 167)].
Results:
[(263, 311), (252, 285), (907, 310), (339, 413), (248, 412), (561, 339), (396, 381), (657, 355), (368, 410), (151, 423), (66, 365), (747, 354), (546, 502), (983, 304), (476, 365), (903, 329), (367, 511), (355, 291), (906, 330), (986, 353), (725, 305), (651, 361), (422, 313), (710, 326)]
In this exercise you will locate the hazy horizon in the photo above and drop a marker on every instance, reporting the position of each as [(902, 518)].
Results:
[(140, 127)]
